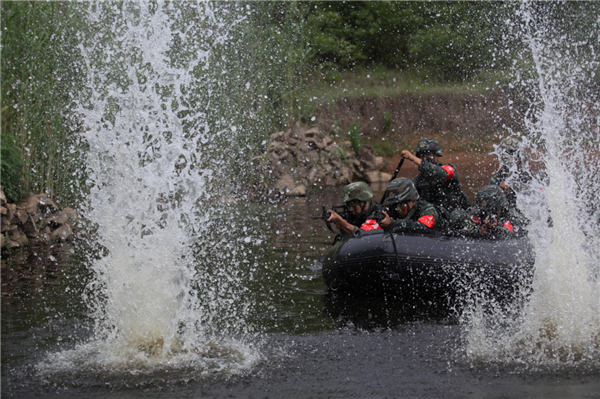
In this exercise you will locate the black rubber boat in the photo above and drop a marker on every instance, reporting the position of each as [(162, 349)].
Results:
[(427, 267)]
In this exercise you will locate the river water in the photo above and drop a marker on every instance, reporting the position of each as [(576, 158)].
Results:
[(188, 288), (311, 344)]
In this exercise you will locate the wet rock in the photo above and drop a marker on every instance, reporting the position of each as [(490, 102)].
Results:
[(62, 234), (298, 191), (277, 136), (285, 184), (56, 219), (21, 215), (37, 220), (17, 239), (12, 209), (377, 177), (46, 204), (310, 157), (5, 224), (29, 227)]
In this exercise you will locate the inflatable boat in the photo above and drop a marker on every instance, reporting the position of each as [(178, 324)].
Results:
[(428, 267)]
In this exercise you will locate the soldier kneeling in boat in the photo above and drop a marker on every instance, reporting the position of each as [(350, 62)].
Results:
[(492, 217), (363, 213), (407, 211)]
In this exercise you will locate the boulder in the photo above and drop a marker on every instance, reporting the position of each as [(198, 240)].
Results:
[(30, 227), (12, 209), (47, 204), (56, 219), (279, 136), (17, 239), (285, 184), (71, 214), (5, 224), (30, 204), (63, 233), (298, 191), (377, 177), (21, 215), (277, 147)]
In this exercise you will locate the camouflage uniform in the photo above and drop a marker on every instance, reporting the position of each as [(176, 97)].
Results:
[(370, 218), (423, 216), (508, 151), (491, 202), (438, 183)]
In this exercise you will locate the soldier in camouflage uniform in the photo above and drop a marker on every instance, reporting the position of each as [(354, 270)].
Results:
[(363, 213), (492, 216), (510, 169), (436, 182), (407, 210)]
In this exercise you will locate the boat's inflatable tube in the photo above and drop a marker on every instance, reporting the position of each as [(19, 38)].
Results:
[(426, 265)]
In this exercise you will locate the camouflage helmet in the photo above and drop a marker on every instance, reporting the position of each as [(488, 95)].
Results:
[(491, 197), (400, 190), (509, 145), (358, 191), (428, 145)]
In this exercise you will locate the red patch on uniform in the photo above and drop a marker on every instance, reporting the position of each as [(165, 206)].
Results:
[(369, 225), (450, 170), (476, 219), (427, 220), (508, 226)]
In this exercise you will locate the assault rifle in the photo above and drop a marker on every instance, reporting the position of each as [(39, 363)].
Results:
[(344, 214), (342, 210)]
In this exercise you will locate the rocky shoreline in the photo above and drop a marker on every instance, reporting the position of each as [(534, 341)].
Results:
[(35, 221), (302, 157)]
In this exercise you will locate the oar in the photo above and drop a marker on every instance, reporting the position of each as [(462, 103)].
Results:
[(393, 177)]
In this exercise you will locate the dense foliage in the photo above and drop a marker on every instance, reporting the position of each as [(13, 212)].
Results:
[(37, 139), (447, 41), (276, 53)]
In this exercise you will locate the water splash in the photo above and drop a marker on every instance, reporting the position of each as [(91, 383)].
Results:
[(160, 300), (559, 325)]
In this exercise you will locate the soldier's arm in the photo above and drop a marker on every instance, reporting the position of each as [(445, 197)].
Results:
[(341, 223), (437, 173)]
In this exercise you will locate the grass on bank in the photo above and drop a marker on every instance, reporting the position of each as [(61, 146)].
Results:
[(382, 82)]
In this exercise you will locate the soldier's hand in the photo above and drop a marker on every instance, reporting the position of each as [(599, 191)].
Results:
[(386, 221), (334, 217), (409, 155)]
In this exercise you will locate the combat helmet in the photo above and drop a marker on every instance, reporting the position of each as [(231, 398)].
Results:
[(357, 191), (400, 190), (490, 198), (428, 145)]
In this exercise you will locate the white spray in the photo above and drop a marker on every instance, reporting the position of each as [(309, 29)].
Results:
[(145, 113), (559, 326)]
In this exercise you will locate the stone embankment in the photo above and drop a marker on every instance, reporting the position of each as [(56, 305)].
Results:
[(34, 221), (303, 157)]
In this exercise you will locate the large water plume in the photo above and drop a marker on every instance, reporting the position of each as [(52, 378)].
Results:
[(559, 325), (167, 291)]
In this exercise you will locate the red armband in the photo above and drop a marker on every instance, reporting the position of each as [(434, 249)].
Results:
[(427, 220), (508, 226), (450, 170), (476, 219), (369, 225)]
